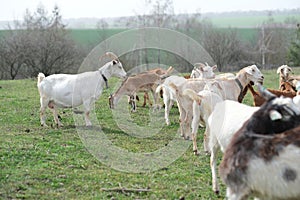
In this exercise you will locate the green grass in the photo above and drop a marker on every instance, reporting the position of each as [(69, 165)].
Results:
[(50, 163), (92, 36)]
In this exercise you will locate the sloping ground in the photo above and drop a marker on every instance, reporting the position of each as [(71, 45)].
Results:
[(51, 163)]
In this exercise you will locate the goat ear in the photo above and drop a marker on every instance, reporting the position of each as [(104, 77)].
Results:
[(114, 62), (214, 67), (278, 70), (275, 115)]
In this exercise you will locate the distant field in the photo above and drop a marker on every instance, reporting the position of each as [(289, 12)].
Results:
[(246, 27), (248, 21), (92, 36)]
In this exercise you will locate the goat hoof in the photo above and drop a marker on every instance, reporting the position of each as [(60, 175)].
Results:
[(188, 138), (217, 192), (196, 153), (88, 124)]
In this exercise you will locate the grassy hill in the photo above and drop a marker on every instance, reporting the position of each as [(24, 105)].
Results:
[(51, 163), (92, 36), (248, 21)]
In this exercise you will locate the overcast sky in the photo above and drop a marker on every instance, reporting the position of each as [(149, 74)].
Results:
[(15, 9)]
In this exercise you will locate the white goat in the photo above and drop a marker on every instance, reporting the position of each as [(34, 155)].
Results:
[(200, 71), (169, 94), (227, 117), (204, 103), (263, 156), (203, 71), (73, 90)]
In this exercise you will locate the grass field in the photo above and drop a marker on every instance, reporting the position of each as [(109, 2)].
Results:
[(248, 21), (92, 36), (51, 163)]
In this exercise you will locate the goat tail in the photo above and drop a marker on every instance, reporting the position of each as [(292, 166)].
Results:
[(159, 88), (40, 77), (192, 95)]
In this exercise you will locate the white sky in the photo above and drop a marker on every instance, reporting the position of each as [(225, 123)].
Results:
[(15, 9)]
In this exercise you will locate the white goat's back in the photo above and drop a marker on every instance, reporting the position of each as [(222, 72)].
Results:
[(169, 91), (67, 90), (174, 79), (228, 117)]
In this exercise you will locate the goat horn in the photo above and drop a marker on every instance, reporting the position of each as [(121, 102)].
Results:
[(199, 65), (264, 92), (111, 55)]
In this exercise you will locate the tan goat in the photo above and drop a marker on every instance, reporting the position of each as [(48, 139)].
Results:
[(143, 82), (285, 75)]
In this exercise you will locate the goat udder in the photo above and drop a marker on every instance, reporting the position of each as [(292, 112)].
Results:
[(51, 104)]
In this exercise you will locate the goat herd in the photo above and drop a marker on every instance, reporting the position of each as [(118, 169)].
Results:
[(261, 145)]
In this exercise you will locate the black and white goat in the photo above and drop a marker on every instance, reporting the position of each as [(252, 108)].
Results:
[(263, 157)]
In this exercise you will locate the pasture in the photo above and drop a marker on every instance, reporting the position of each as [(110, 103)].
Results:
[(248, 20), (49, 163)]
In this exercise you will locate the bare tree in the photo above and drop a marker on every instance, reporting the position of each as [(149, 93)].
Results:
[(12, 53), (294, 49), (40, 44), (50, 48), (162, 13), (223, 46), (273, 40), (102, 26)]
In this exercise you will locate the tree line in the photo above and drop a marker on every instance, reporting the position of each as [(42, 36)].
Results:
[(42, 43)]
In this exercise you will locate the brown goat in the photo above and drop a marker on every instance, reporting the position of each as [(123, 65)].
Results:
[(143, 82), (258, 100)]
